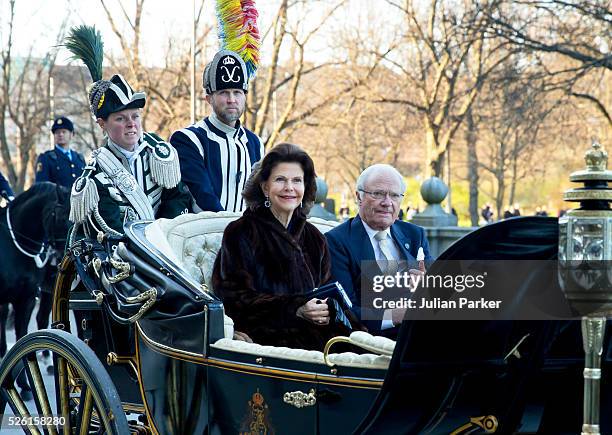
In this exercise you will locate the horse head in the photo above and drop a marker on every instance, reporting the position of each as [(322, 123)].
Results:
[(55, 218), (40, 214)]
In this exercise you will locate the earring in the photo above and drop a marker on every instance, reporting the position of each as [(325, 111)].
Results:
[(301, 204), (267, 202)]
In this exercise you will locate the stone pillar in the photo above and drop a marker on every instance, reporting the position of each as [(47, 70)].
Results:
[(433, 191), (317, 209)]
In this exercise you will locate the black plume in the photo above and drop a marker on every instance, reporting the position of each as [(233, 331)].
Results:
[(85, 43)]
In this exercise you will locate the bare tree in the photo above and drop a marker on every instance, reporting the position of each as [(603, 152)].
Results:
[(345, 130), (24, 97), (513, 114), (471, 138), (579, 31), (444, 60), (284, 82), (167, 87)]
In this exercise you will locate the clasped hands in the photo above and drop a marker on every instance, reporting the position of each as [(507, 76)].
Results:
[(315, 311)]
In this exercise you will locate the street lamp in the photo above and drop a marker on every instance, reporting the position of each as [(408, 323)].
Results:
[(585, 251)]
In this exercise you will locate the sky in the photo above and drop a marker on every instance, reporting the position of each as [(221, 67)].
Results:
[(38, 21)]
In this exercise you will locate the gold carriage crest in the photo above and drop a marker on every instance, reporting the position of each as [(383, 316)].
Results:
[(256, 420)]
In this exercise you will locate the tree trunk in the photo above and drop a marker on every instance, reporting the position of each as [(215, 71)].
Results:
[(514, 180), (499, 176), (470, 139)]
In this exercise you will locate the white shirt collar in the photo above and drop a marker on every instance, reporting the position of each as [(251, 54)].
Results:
[(372, 232), (65, 151), (393, 248), (129, 155)]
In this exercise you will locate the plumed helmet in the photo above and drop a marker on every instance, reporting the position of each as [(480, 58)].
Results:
[(105, 96), (226, 71), (114, 95)]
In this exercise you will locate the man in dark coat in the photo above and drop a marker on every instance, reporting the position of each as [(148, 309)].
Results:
[(61, 165), (375, 234)]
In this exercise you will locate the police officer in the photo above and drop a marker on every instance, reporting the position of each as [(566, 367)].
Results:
[(60, 165)]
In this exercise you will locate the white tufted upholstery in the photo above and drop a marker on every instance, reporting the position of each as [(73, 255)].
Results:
[(228, 327), (193, 240), (269, 351), (366, 360)]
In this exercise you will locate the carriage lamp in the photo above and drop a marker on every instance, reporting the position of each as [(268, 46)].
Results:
[(585, 251)]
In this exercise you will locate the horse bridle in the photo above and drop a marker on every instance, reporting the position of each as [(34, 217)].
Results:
[(50, 245), (37, 259)]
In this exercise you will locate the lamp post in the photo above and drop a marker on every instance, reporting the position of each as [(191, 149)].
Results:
[(585, 251)]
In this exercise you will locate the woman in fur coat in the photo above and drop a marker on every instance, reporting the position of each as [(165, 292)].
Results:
[(272, 257)]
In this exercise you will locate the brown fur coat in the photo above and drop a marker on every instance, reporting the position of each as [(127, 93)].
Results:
[(263, 273)]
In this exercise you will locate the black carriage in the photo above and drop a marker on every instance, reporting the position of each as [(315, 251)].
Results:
[(155, 353)]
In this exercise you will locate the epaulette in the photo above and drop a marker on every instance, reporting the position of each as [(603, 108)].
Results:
[(84, 197), (164, 164)]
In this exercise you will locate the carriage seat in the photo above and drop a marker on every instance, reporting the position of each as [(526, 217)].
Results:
[(193, 240)]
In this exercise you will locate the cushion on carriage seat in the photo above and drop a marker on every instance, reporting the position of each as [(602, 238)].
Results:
[(269, 351), (193, 240), (228, 327), (365, 360), (344, 359), (373, 343)]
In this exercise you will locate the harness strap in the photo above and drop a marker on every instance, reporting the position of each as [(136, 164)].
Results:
[(37, 257)]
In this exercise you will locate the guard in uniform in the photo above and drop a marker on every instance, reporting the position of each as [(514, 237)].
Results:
[(60, 165), (134, 175), (217, 153)]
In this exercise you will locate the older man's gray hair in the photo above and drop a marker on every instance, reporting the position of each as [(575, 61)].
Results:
[(376, 169)]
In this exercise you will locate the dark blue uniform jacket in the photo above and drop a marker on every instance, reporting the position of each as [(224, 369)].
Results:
[(55, 166)]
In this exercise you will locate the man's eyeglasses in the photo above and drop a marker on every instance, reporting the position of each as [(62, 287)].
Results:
[(381, 194)]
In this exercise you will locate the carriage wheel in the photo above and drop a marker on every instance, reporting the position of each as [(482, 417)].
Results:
[(86, 399)]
